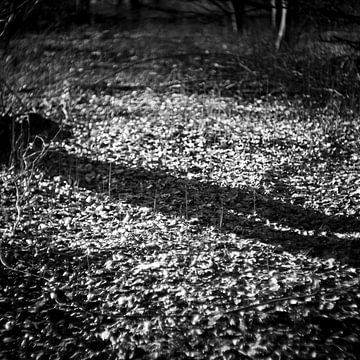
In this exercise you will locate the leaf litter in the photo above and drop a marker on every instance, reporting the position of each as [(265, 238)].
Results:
[(177, 225)]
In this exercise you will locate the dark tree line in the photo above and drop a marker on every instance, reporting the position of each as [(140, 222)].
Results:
[(288, 17)]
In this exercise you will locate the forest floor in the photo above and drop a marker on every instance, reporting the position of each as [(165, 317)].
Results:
[(206, 206)]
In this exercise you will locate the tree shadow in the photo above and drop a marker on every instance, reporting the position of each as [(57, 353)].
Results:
[(29, 299), (246, 212)]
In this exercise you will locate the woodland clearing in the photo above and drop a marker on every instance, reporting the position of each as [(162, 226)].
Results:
[(206, 206)]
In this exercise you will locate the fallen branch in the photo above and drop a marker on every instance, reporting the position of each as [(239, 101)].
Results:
[(289, 298), (328, 90), (271, 301)]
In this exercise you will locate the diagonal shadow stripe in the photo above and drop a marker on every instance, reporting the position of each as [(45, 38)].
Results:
[(229, 209)]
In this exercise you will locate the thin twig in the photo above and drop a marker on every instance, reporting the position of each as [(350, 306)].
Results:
[(271, 301), (27, 173)]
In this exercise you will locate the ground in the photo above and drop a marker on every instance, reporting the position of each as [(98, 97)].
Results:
[(205, 207)]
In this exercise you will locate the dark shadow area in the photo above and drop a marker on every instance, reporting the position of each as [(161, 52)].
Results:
[(29, 302), (16, 133), (228, 209)]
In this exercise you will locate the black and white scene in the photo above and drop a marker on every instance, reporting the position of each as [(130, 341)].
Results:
[(179, 180)]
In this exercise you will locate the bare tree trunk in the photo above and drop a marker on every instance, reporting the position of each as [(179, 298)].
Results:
[(279, 20), (273, 13), (135, 10), (82, 9), (239, 10), (282, 28), (130, 9), (294, 21), (82, 5)]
